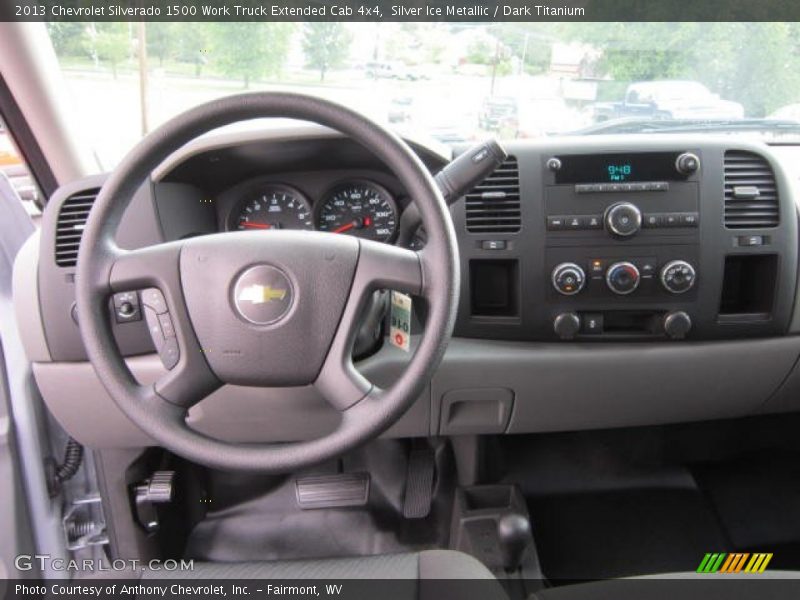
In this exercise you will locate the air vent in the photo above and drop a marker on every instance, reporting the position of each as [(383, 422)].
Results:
[(751, 196), (69, 228), (494, 205)]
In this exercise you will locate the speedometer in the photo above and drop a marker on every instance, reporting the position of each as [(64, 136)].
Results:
[(273, 207), (359, 208)]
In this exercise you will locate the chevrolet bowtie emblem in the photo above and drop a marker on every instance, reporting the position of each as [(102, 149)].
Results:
[(261, 294)]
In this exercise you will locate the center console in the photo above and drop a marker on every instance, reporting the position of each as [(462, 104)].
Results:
[(669, 241)]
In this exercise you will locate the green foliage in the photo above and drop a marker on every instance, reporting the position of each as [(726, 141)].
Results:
[(112, 44), (249, 51), (162, 40), (326, 45), (756, 64), (69, 39)]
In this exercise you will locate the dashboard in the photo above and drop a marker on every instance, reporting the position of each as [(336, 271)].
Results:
[(607, 281)]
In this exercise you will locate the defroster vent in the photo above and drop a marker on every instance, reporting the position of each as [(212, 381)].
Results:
[(751, 194), (69, 228), (494, 205)]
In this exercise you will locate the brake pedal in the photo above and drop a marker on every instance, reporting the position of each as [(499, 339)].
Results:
[(332, 491), (419, 484)]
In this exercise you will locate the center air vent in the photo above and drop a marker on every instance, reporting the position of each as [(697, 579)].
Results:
[(494, 205), (69, 228), (751, 196)]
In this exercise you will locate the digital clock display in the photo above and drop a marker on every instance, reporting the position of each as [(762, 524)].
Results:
[(620, 172), (618, 168)]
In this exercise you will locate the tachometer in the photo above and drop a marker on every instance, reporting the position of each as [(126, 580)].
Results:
[(359, 208), (273, 207)]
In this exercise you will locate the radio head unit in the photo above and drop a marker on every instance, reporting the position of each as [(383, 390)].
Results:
[(622, 168)]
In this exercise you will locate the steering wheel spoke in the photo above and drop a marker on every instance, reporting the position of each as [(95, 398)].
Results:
[(380, 266), (155, 271)]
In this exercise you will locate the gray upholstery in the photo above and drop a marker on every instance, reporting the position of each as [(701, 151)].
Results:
[(428, 564), (770, 585), (426, 575)]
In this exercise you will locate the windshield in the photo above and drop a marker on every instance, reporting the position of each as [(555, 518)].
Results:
[(452, 81)]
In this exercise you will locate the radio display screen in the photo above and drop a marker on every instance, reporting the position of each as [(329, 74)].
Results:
[(618, 168)]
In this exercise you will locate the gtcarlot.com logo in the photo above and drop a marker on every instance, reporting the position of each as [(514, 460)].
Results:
[(737, 562)]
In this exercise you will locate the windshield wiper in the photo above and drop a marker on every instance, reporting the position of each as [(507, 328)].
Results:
[(635, 125)]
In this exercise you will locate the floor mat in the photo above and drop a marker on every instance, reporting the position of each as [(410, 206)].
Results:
[(625, 533), (257, 521), (758, 502)]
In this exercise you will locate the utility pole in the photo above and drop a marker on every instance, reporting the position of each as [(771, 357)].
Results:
[(494, 64), (143, 76), (524, 54)]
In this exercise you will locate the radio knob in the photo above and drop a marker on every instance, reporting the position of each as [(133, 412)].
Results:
[(678, 276), (568, 279), (687, 163), (622, 278), (677, 324), (567, 325), (623, 219)]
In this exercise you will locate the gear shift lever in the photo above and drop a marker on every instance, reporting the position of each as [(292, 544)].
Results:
[(514, 536)]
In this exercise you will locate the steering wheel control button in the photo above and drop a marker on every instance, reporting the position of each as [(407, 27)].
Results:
[(623, 278), (567, 325), (623, 219), (568, 279), (126, 307), (153, 298), (678, 276), (169, 353), (677, 324), (263, 295), (167, 329)]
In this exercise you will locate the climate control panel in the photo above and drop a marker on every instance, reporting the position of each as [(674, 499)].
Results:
[(623, 277)]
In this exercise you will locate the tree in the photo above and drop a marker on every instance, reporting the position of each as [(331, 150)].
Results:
[(326, 45), (69, 39), (112, 44), (162, 39), (250, 50), (193, 42)]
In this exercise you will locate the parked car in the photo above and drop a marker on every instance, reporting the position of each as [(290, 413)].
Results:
[(497, 112), (669, 100)]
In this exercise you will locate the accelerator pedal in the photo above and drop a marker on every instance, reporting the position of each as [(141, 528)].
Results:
[(332, 491), (419, 484)]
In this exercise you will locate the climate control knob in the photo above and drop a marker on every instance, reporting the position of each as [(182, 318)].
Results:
[(677, 324), (678, 276), (568, 279), (623, 219), (567, 325), (622, 278)]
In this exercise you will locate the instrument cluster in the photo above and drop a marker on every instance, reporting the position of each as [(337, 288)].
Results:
[(358, 207)]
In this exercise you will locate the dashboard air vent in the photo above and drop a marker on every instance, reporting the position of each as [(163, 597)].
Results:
[(69, 227), (751, 195), (493, 206)]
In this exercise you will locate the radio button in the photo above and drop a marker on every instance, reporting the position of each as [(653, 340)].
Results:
[(623, 219), (652, 220), (689, 219), (574, 222), (594, 222), (672, 220), (568, 279)]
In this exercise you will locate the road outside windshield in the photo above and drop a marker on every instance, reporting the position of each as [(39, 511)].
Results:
[(451, 81)]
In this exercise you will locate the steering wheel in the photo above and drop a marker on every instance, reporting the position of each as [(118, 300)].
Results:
[(275, 309)]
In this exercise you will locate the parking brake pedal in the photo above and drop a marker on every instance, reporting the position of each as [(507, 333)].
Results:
[(419, 484), (332, 491)]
